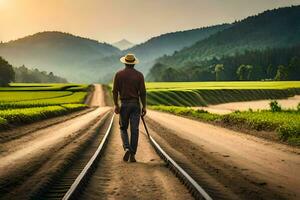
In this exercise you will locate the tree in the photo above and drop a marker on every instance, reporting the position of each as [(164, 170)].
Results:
[(171, 74), (269, 71), (25, 75), (249, 71), (241, 72), (218, 69), (282, 73), (244, 72), (156, 72), (294, 68), (7, 73)]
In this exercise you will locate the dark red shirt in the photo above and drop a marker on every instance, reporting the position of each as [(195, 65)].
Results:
[(129, 84)]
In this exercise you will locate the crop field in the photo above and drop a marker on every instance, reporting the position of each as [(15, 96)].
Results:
[(177, 98), (285, 123), (25, 103), (204, 93), (44, 87), (222, 85)]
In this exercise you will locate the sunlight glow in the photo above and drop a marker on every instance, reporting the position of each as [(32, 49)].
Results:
[(3, 3)]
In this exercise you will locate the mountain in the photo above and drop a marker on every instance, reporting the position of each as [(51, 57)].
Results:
[(168, 43), (252, 65), (152, 49), (84, 60), (61, 53), (123, 44), (25, 75), (271, 29)]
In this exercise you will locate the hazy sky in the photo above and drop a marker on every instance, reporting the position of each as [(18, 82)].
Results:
[(112, 20)]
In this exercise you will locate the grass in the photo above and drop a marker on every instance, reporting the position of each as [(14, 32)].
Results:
[(222, 85), (177, 97), (285, 123), (16, 96), (45, 87), (204, 93), (26, 115), (3, 123), (76, 97), (25, 103)]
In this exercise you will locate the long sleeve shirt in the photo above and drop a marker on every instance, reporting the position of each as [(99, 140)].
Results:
[(129, 84)]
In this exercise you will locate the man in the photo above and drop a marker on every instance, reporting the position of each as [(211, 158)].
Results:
[(129, 84)]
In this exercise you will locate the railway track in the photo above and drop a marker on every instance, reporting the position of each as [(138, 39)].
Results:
[(70, 186)]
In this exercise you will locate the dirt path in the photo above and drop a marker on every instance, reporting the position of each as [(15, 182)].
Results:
[(26, 129), (17, 153), (98, 96), (146, 179), (22, 156), (266, 164), (226, 108)]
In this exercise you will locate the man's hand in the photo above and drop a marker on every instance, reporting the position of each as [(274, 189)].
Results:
[(144, 111), (117, 109)]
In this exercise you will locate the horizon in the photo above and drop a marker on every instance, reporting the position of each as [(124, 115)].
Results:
[(186, 19)]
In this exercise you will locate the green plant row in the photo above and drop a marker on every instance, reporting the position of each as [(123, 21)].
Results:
[(76, 97), (3, 123), (203, 97), (27, 115), (45, 87), (285, 123), (213, 85), (14, 96)]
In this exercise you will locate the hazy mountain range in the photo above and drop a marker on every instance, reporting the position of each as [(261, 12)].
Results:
[(123, 44), (61, 53), (271, 29), (85, 60)]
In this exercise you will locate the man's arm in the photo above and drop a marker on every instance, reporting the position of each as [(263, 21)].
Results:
[(143, 96), (116, 94)]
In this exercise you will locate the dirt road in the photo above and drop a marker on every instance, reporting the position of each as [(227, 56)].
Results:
[(146, 179), (226, 108), (248, 161), (21, 157), (98, 96)]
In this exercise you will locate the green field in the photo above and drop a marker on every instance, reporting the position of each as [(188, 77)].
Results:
[(45, 87), (285, 123), (204, 93), (25, 103), (177, 97), (222, 85)]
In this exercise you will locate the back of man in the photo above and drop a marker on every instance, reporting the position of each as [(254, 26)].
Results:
[(129, 85)]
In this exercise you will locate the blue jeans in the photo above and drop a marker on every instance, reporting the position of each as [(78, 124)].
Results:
[(130, 114)]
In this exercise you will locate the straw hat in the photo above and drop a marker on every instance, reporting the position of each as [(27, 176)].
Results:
[(129, 59)]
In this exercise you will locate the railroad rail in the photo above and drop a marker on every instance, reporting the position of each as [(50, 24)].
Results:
[(194, 188), (80, 180)]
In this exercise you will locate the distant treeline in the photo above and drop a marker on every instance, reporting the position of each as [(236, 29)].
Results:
[(268, 64), (22, 74)]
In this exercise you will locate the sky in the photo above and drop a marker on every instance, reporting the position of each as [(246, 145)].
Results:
[(112, 20)]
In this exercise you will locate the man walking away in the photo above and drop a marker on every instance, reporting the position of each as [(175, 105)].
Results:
[(129, 84)]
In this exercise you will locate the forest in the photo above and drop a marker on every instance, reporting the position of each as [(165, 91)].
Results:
[(268, 64), (22, 74)]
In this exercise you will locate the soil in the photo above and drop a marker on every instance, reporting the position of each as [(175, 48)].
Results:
[(98, 97), (247, 166), (22, 157), (226, 108), (148, 178), (94, 99), (227, 163), (19, 131)]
